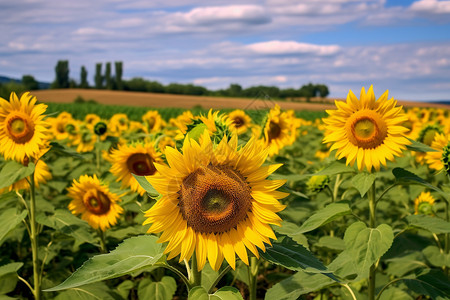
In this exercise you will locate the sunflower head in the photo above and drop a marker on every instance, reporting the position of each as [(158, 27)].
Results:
[(215, 201), (93, 200), (240, 121), (100, 128), (318, 183), (217, 125), (366, 130), (423, 204), (427, 133), (22, 128), (446, 158)]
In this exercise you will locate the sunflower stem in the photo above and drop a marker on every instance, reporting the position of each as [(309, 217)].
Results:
[(253, 277), (102, 237), (372, 224), (224, 271), (97, 154), (34, 240), (446, 242), (196, 279)]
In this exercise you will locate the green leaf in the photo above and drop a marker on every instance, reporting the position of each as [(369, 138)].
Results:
[(331, 242), (97, 291), (363, 181), (367, 245), (299, 284), (405, 177), (65, 151), (437, 258), (208, 277), (124, 288), (335, 168), (293, 231), (432, 224), (432, 283), (67, 223), (289, 254), (143, 182), (9, 219), (395, 293), (157, 290), (324, 216), (225, 293), (13, 171), (134, 254), (8, 277), (419, 147)]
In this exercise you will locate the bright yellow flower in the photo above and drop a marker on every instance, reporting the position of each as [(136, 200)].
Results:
[(118, 124), (136, 159), (279, 129), (366, 131), (215, 201), (93, 200), (241, 122), (423, 204), (152, 120), (22, 128), (434, 159)]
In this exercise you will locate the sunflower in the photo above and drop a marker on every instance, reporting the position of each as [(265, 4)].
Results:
[(426, 136), (41, 173), (85, 140), (93, 200), (423, 204), (91, 119), (367, 131), (118, 124), (217, 125), (152, 120), (139, 159), (165, 141), (279, 130), (215, 200), (182, 120), (241, 122), (435, 159), (22, 128)]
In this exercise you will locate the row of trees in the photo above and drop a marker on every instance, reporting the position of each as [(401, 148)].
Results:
[(115, 82)]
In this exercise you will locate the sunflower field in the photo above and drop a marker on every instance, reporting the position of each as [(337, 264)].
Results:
[(351, 203)]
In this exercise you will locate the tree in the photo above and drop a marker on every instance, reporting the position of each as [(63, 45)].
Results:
[(323, 90), (119, 72), (234, 90), (83, 78), (62, 75), (108, 79), (29, 82), (98, 76)]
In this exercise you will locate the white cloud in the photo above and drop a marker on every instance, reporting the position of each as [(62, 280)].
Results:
[(431, 7), (291, 47), (248, 14)]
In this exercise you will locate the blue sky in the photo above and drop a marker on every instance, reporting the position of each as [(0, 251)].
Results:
[(402, 46)]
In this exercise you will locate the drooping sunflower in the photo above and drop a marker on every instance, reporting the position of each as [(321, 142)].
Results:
[(215, 201), (93, 200), (91, 120), (240, 121), (23, 130), (279, 130), (152, 120), (41, 173), (435, 159), (423, 204), (137, 158), (366, 131), (118, 124)]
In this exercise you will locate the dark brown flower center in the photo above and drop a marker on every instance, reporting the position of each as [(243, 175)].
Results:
[(19, 128), (274, 130), (97, 202), (141, 164), (214, 199), (238, 122)]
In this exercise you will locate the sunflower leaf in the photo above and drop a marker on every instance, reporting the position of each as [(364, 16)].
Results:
[(405, 177), (61, 149), (363, 181), (143, 182), (13, 171), (432, 283), (155, 290), (8, 277), (419, 147), (9, 219), (432, 224), (324, 216), (336, 167), (134, 254), (287, 253), (299, 284), (225, 293)]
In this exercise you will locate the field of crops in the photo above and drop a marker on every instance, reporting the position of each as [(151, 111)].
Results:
[(120, 202)]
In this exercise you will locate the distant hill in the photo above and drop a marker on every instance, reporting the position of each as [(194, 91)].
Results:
[(5, 79)]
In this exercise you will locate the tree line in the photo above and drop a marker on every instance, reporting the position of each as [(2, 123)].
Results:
[(105, 79)]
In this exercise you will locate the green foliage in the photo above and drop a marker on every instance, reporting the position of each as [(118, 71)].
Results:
[(13, 171), (324, 216), (225, 293), (133, 255), (98, 78), (62, 75), (157, 290), (30, 83), (83, 78)]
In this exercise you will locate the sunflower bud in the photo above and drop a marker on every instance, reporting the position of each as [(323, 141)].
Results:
[(100, 128), (318, 183)]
